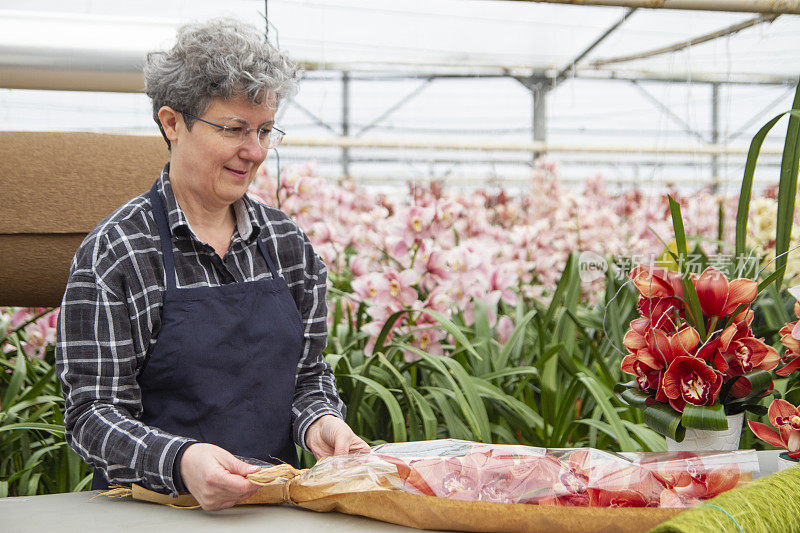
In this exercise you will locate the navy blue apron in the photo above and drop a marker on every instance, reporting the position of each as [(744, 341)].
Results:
[(224, 366)]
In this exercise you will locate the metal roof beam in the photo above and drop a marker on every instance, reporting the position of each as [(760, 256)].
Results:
[(777, 7), (571, 66), (669, 112), (397, 105), (580, 73), (687, 44)]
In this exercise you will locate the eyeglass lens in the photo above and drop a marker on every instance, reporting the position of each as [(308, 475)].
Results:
[(235, 133)]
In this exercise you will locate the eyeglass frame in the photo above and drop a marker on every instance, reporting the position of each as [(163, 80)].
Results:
[(244, 137)]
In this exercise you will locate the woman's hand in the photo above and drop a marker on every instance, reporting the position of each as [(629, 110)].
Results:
[(215, 477), (330, 435)]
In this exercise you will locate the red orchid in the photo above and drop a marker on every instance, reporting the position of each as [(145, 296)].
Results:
[(657, 282), (690, 478), (635, 337), (792, 355), (749, 354), (786, 418), (788, 339), (722, 349), (690, 380), (645, 367), (653, 351), (660, 311), (667, 347), (619, 498), (718, 297)]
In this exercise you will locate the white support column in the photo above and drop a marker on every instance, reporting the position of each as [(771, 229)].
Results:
[(345, 121)]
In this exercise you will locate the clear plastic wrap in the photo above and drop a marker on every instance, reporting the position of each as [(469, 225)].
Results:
[(579, 477)]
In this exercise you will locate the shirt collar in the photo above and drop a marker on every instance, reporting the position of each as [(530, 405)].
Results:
[(246, 222)]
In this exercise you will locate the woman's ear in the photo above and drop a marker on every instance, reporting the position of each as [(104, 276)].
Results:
[(170, 119)]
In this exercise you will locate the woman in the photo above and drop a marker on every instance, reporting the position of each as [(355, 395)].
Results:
[(193, 322)]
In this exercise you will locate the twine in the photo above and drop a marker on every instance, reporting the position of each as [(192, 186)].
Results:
[(727, 513)]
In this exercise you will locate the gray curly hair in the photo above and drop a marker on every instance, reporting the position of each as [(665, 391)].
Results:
[(222, 58)]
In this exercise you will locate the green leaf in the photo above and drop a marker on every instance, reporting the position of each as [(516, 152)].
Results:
[(634, 398), (17, 378), (476, 421), (705, 417), (387, 327), (787, 190), (451, 328), (601, 395), (511, 371), (515, 340), (743, 211), (55, 429), (426, 414), (651, 441), (562, 286), (392, 406), (663, 419), (694, 311)]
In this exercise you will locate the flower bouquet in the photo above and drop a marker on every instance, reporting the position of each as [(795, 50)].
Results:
[(458, 485), (693, 355)]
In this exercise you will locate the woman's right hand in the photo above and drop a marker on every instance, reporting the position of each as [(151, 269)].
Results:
[(215, 477)]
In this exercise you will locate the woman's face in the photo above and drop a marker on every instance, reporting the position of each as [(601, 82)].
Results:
[(214, 172)]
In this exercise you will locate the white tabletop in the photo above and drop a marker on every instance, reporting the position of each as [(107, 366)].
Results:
[(73, 512)]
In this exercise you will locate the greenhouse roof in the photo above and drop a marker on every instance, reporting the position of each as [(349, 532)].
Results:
[(448, 37)]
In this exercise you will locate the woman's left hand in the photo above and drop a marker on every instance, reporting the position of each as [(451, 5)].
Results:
[(330, 435)]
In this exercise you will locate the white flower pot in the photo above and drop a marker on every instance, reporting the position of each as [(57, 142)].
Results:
[(784, 461), (707, 440)]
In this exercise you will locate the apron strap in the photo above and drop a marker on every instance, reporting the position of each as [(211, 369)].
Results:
[(166, 240), (163, 232)]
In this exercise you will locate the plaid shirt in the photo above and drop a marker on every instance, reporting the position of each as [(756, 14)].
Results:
[(111, 315)]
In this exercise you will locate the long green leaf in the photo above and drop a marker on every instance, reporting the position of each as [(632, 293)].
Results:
[(17, 378), (466, 408), (455, 426), (451, 328), (515, 340), (392, 406), (704, 417), (426, 414), (55, 429), (743, 210), (690, 297), (601, 396), (634, 397), (651, 441), (665, 420), (787, 190)]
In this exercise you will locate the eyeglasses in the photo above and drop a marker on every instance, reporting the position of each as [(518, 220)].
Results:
[(235, 132)]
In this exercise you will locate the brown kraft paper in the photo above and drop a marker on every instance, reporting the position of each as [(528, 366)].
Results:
[(281, 485)]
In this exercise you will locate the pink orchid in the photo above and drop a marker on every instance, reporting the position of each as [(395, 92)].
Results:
[(372, 287), (428, 340), (401, 286), (504, 329), (359, 265), (504, 281)]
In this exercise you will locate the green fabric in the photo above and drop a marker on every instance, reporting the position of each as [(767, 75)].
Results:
[(765, 505)]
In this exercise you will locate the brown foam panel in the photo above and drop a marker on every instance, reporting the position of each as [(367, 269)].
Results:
[(54, 188)]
